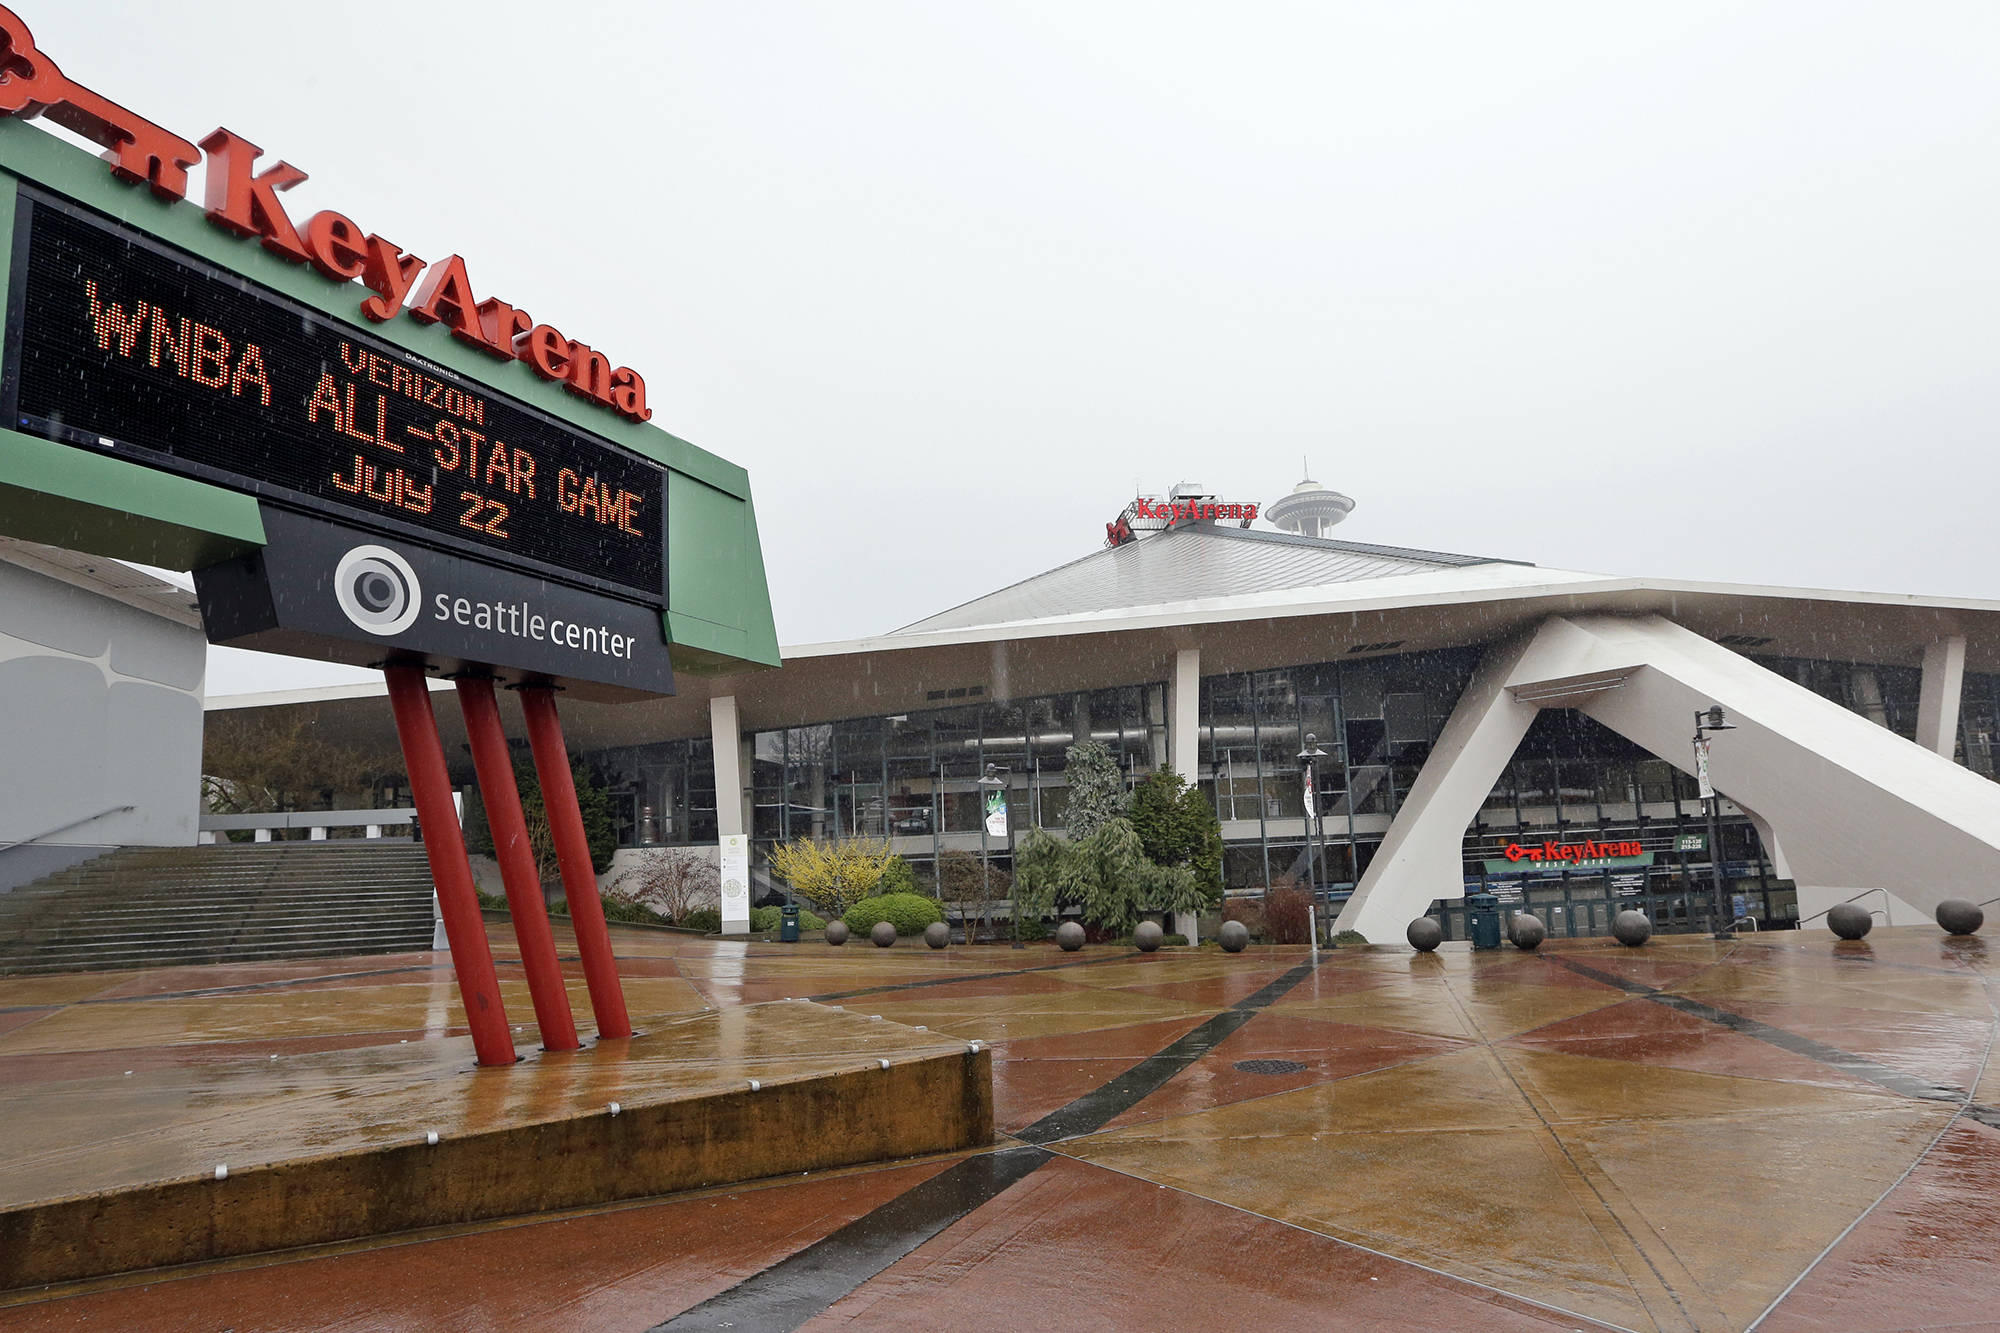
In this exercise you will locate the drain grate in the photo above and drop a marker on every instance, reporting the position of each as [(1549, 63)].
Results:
[(1270, 1067)]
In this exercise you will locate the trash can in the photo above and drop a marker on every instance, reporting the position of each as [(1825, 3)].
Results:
[(1482, 920), (788, 924)]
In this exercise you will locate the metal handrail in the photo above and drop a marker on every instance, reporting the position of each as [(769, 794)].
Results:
[(1882, 911), (107, 810)]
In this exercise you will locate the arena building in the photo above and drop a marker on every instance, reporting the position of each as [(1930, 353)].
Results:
[(1485, 724)]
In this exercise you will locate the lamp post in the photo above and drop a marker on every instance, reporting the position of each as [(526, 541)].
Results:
[(1308, 761), (995, 783), (1707, 720)]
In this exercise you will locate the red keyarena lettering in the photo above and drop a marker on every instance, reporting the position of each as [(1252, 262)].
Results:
[(245, 202)]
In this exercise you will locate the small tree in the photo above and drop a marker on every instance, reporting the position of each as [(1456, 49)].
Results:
[(1105, 868), (672, 882), (1178, 828), (974, 885), (832, 875), (593, 800)]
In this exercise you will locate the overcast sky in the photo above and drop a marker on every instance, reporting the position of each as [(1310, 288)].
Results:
[(1693, 290)]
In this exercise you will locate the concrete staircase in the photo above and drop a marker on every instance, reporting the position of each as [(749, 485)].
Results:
[(167, 906)]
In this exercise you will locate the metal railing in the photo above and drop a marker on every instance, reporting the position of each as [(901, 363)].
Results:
[(60, 828), (216, 828), (1882, 911)]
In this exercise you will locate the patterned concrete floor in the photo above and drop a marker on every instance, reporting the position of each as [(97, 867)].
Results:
[(1788, 1133)]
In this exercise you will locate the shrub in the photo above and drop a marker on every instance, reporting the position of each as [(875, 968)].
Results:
[(704, 918), (1175, 939), (1286, 915), (908, 912), (492, 902), (1247, 910), (669, 882), (629, 911), (898, 877), (771, 918), (832, 874), (1033, 928), (1346, 937)]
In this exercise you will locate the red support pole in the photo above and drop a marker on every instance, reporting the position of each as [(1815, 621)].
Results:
[(586, 909), (430, 787), (502, 799)]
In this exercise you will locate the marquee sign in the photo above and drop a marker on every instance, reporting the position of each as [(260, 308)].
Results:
[(120, 343), (244, 201)]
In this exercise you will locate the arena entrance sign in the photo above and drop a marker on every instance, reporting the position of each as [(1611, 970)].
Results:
[(466, 491)]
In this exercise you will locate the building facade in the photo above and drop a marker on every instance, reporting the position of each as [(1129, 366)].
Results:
[(1217, 649)]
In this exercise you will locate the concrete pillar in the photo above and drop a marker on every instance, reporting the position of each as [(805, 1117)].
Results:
[(731, 819), (1937, 698), (1184, 742), (727, 734), (1184, 714)]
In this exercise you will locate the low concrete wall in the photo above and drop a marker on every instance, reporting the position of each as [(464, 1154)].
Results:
[(913, 1108)]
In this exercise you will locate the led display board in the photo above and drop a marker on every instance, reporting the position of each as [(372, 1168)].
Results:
[(120, 343)]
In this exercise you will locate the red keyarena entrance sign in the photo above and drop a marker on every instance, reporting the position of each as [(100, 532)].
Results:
[(1572, 851), (244, 201)]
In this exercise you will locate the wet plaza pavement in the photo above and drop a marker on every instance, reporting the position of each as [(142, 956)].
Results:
[(1786, 1133)]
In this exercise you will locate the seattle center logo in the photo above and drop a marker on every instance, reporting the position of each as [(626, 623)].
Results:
[(377, 589)]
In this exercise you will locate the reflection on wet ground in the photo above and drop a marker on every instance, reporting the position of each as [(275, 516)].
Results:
[(1786, 1133)]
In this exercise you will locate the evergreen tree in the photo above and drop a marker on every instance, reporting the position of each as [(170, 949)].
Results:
[(593, 802), (1178, 829), (1096, 789)]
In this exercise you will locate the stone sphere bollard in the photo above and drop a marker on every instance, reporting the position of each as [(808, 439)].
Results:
[(836, 932), (1528, 932), (1956, 916), (937, 934), (1233, 936), (1070, 936), (884, 934), (1632, 927), (1850, 921), (1424, 934), (1148, 936)]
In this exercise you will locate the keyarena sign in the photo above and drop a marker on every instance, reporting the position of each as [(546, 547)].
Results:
[(245, 202), (121, 343), (341, 594), (1146, 514), (1587, 855)]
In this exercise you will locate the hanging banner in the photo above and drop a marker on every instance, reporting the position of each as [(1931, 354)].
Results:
[(1701, 768), (996, 813)]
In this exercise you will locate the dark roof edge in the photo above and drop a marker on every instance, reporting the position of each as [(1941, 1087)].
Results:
[(1358, 548)]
